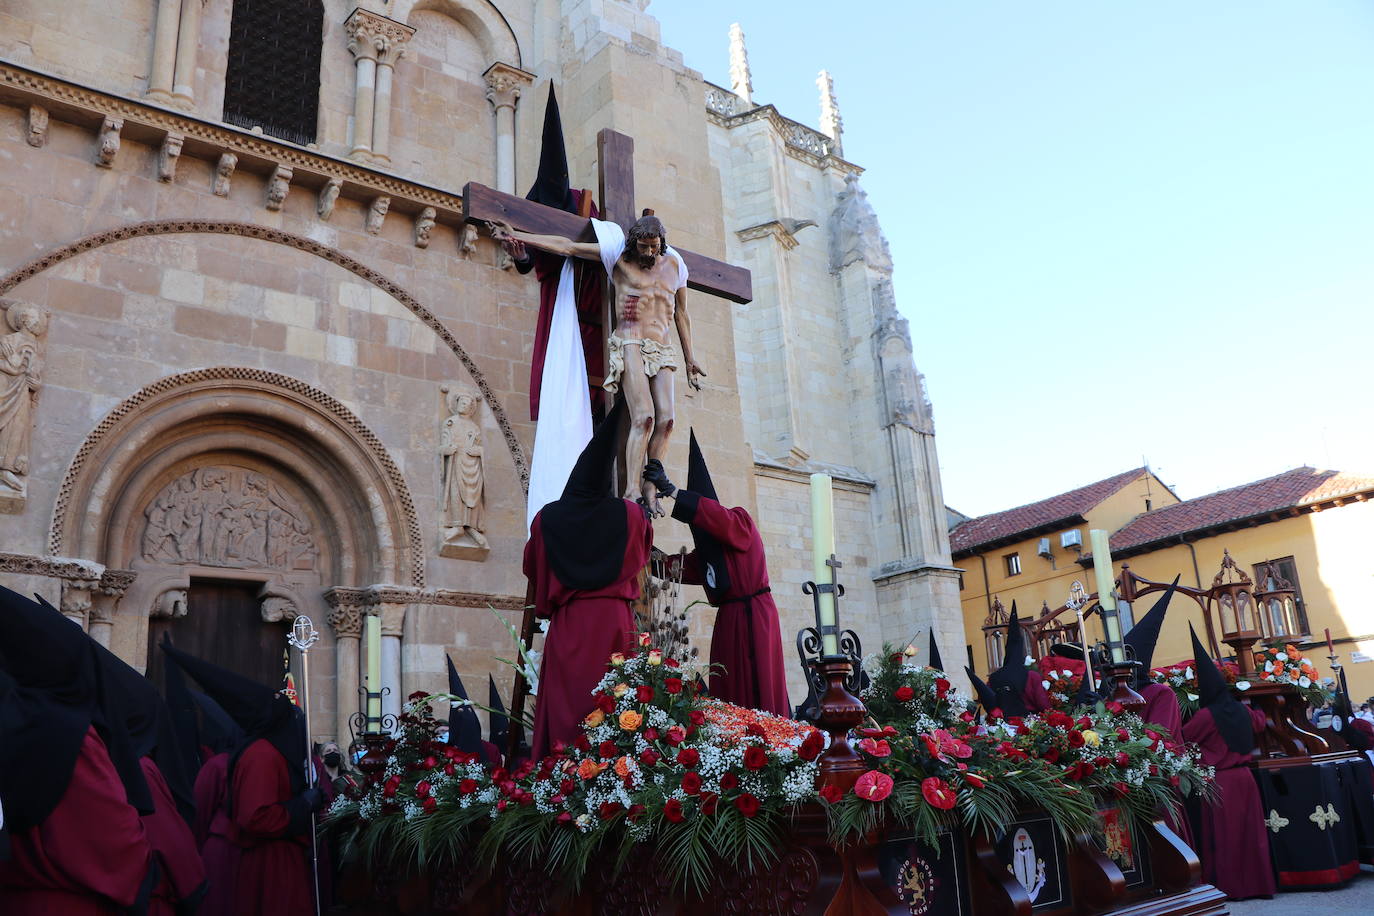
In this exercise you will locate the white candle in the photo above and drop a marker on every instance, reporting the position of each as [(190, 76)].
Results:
[(1106, 583), (822, 549), (374, 669)]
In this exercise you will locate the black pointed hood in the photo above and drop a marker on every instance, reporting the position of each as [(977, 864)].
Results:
[(585, 530), (715, 571), (185, 719), (1009, 681), (218, 730), (934, 659), (464, 728), (552, 187), (498, 732), (1231, 716), (40, 740), (1145, 634), (1085, 695), (259, 710), (985, 695)]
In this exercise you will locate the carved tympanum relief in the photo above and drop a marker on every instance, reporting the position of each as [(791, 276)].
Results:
[(231, 517)]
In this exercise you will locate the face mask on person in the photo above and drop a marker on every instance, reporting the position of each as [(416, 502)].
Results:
[(333, 759)]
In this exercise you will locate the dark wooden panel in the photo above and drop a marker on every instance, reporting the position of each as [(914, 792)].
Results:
[(224, 625), (616, 154)]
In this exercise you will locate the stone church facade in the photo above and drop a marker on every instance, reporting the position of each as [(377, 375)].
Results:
[(254, 366)]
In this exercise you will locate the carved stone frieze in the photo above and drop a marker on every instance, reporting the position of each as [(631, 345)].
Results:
[(22, 349), (376, 213), (224, 171), (53, 567), (228, 517), (168, 155), (277, 186), (424, 225), (108, 144), (38, 126), (329, 195)]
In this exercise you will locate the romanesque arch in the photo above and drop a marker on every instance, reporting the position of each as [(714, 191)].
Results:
[(482, 19)]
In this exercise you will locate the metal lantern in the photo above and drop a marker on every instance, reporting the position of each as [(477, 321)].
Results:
[(994, 629), (1233, 596), (1278, 604)]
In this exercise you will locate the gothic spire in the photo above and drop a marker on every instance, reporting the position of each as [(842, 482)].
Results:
[(740, 82), (831, 125)]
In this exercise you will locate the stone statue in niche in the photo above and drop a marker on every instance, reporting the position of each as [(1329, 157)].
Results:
[(21, 370), (460, 445), (230, 517)]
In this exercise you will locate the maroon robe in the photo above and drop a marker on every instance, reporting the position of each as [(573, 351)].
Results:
[(1161, 709), (747, 640), (586, 627), (90, 856), (183, 873), (211, 830), (274, 874), (1234, 847)]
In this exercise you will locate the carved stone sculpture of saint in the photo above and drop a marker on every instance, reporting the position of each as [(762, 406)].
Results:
[(460, 444), (21, 369)]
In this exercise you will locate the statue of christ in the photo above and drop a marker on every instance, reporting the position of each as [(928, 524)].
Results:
[(650, 281)]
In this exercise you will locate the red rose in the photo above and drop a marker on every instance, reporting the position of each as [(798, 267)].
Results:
[(605, 702), (831, 793), (672, 810), (501, 805), (708, 803), (1085, 722), (650, 734), (873, 786), (634, 812), (1075, 739), (755, 757), (1051, 756), (673, 685), (1123, 759), (902, 694), (676, 735), (729, 781), (430, 804), (1123, 735), (941, 687), (747, 804), (691, 782), (649, 757), (422, 788), (607, 750), (812, 746), (937, 793), (610, 809), (1115, 708), (644, 693), (467, 787), (688, 757), (698, 717), (564, 817), (670, 662), (449, 769)]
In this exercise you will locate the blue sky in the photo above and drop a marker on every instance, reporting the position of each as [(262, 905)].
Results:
[(1120, 230)]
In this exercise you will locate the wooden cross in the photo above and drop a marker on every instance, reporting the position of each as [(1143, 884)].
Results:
[(616, 184)]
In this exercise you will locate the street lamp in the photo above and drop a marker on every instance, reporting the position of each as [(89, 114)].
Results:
[(1233, 594)]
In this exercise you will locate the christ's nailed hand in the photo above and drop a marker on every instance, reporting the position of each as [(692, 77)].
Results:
[(500, 230)]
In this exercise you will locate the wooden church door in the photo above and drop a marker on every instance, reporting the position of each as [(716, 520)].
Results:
[(223, 625)]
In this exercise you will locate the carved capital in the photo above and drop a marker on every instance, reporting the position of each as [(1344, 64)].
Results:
[(116, 582), (374, 36), (224, 170), (167, 156), (505, 83), (76, 598), (346, 620), (109, 141), (277, 186), (343, 596), (38, 126), (393, 619)]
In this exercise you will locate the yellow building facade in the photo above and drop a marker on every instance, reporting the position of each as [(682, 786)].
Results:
[(1315, 526)]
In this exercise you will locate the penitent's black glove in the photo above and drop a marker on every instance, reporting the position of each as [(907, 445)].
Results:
[(654, 473), (299, 810)]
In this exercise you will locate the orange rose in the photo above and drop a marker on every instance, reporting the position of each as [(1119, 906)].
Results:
[(589, 769), (630, 720), (622, 767), (1293, 653), (1278, 668), (594, 718)]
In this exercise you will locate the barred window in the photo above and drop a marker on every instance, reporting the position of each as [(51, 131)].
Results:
[(273, 74)]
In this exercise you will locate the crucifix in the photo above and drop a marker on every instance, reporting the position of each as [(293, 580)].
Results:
[(615, 156)]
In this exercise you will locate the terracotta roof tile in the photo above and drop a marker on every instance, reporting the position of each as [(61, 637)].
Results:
[(1292, 489), (1010, 524)]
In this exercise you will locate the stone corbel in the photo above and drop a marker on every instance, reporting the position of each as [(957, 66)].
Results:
[(376, 213), (109, 141), (467, 240), (278, 605), (38, 126), (329, 195), (424, 224), (167, 157), (224, 171), (277, 186), (170, 604)]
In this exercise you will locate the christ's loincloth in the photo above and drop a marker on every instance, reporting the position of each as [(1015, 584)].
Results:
[(653, 355)]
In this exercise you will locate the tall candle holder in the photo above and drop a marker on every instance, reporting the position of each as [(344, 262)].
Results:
[(372, 734), (834, 679)]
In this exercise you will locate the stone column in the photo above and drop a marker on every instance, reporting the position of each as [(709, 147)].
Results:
[(188, 40), (161, 74), (346, 619), (376, 43), (391, 604), (381, 117), (105, 603), (504, 85)]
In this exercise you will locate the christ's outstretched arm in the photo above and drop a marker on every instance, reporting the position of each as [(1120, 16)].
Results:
[(556, 244)]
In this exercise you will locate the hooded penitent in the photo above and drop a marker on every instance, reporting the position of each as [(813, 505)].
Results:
[(40, 739), (986, 697), (552, 187), (585, 530), (496, 734), (258, 709), (1230, 715), (218, 730), (464, 728), (1144, 635), (1008, 682), (45, 650), (934, 658), (712, 554)]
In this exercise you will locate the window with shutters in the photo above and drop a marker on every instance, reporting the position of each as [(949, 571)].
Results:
[(272, 79)]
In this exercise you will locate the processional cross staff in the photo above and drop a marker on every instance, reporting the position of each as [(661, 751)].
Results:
[(303, 636), (616, 184)]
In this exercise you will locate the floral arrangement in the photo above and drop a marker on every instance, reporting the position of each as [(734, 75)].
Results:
[(925, 778), (900, 689), (1060, 683), (1287, 666), (1182, 679), (704, 781)]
